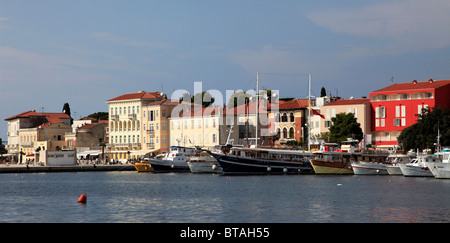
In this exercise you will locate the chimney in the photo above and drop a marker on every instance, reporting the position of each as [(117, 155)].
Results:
[(430, 81), (414, 81)]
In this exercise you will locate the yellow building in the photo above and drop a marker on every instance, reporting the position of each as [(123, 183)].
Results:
[(156, 127), (125, 123)]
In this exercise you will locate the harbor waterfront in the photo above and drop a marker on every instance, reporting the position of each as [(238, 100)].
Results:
[(129, 196), (65, 168)]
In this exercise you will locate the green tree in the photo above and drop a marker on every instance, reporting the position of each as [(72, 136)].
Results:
[(238, 98), (99, 115), (423, 134), (204, 98), (345, 126), (66, 109)]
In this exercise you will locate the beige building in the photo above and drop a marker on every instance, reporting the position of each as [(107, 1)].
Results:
[(29, 132), (156, 127), (359, 107), (125, 123), (204, 127)]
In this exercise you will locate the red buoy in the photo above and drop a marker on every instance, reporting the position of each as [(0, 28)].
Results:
[(82, 198)]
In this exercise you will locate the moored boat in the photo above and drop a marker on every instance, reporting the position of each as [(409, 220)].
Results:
[(417, 167), (329, 162), (174, 161), (441, 170), (203, 163), (370, 163), (143, 166), (369, 168), (264, 161), (394, 161)]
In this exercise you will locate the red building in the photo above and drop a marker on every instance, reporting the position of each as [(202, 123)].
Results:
[(396, 107)]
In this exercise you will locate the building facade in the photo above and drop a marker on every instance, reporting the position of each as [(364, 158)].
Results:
[(29, 132), (125, 123), (156, 127), (288, 121), (396, 107), (204, 127), (360, 108)]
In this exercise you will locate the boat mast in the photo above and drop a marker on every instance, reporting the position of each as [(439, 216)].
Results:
[(309, 113), (257, 103)]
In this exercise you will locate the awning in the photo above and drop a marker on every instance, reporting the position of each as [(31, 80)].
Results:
[(90, 152), (143, 151)]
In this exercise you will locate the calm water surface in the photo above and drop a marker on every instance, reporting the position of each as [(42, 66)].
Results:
[(192, 198)]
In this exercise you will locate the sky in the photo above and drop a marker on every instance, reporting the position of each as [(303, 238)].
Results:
[(85, 52)]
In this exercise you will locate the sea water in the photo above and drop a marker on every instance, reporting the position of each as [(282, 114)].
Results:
[(209, 198)]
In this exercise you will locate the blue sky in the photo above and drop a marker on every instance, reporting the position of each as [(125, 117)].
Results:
[(87, 51)]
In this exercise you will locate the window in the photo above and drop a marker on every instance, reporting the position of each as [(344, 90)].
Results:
[(214, 138), (327, 124), (380, 112), (400, 114)]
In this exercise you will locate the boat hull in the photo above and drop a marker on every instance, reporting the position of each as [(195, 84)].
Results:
[(322, 167), (205, 167), (169, 166), (143, 167), (411, 170), (240, 165), (439, 170), (394, 170), (369, 168)]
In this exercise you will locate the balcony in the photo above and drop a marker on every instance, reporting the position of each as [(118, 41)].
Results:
[(115, 117), (132, 116), (27, 144)]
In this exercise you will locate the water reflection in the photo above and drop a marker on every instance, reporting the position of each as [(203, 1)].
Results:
[(135, 197)]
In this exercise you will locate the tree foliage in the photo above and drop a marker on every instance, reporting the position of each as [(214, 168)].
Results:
[(66, 109), (423, 134), (345, 126), (204, 98), (99, 115)]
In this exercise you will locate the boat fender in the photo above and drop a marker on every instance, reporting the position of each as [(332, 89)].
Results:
[(285, 169), (268, 168), (82, 198), (213, 167)]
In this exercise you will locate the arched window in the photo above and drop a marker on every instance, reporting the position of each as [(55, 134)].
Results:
[(291, 132), (285, 133), (291, 117), (284, 117)]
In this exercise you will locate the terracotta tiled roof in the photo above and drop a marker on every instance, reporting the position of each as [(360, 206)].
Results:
[(348, 102), (138, 95), (164, 102), (23, 115), (294, 104), (90, 125), (433, 84), (248, 108), (50, 116)]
